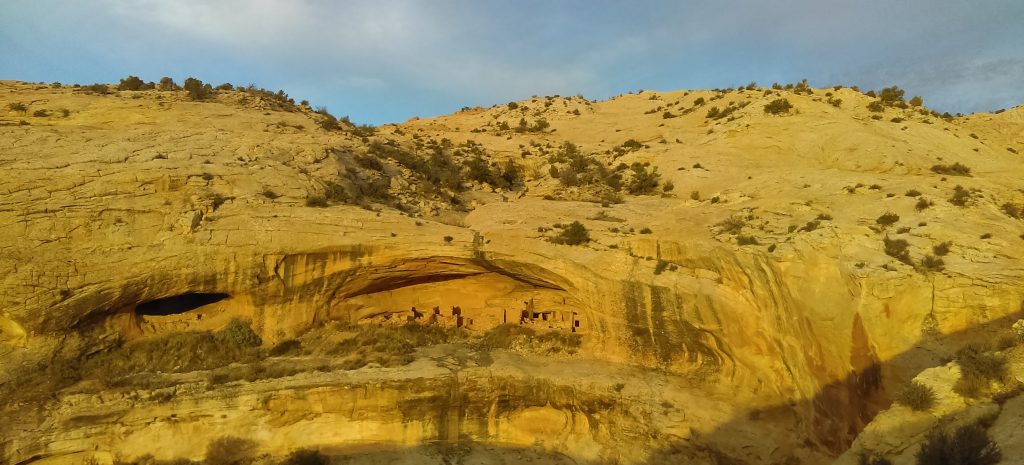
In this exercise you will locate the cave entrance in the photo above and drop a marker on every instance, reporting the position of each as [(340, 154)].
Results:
[(178, 304)]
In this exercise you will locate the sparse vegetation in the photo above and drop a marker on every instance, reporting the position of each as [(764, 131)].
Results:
[(961, 196), (573, 234), (898, 249), (197, 90), (131, 83), (942, 248), (917, 397), (979, 367), (969, 444), (778, 107), (888, 219), (932, 263), (230, 450), (956, 169), (17, 107)]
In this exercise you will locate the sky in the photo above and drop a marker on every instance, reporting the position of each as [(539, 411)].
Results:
[(381, 61)]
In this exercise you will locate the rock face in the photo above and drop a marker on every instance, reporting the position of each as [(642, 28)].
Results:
[(141, 214)]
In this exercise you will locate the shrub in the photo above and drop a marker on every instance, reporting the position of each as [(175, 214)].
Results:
[(898, 249), (917, 397), (942, 248), (306, 457), (668, 186), (778, 106), (131, 83), (932, 263), (956, 169), (573, 234), (318, 201), (166, 83), (660, 267), (876, 106), (100, 89), (922, 204), (732, 225), (197, 90), (891, 95), (239, 333), (916, 101), (17, 106), (969, 444), (41, 113), (976, 359), (229, 450), (961, 197), (913, 193), (645, 230), (643, 181), (888, 219)]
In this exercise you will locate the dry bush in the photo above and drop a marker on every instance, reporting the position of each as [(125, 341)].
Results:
[(230, 450), (917, 396)]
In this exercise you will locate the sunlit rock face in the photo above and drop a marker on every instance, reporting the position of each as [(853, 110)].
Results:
[(179, 272)]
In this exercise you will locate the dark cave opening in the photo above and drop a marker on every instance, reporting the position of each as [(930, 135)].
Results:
[(178, 304)]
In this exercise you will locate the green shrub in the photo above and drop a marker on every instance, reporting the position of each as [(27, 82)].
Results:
[(977, 359), (573, 234), (167, 83), (229, 450), (956, 169), (778, 107), (197, 90), (131, 83), (917, 396), (239, 334), (969, 444), (643, 182), (891, 95)]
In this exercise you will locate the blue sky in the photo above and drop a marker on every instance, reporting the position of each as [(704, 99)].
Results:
[(385, 61)]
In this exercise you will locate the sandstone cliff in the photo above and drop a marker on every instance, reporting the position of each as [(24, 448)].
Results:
[(748, 312)]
